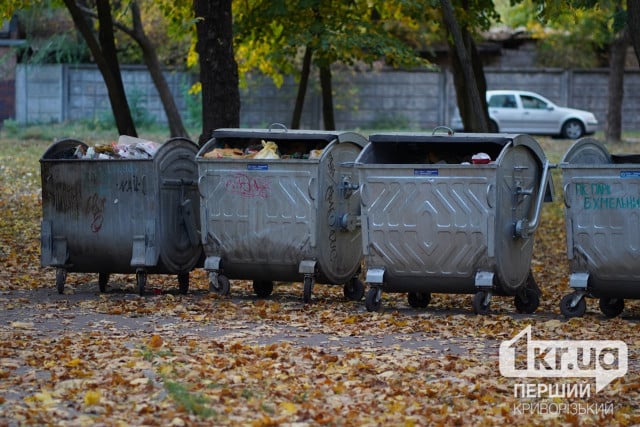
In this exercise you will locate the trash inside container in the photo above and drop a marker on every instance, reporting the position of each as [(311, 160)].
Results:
[(451, 214), (130, 207), (602, 216), (281, 205)]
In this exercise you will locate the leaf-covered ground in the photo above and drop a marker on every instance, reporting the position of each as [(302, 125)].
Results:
[(85, 358)]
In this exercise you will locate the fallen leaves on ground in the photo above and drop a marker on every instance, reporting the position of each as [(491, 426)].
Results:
[(86, 358)]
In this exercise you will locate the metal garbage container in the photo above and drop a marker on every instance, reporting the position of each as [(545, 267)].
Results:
[(451, 214), (294, 218), (120, 215), (602, 216)]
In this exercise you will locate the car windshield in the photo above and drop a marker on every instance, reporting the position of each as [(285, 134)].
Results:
[(533, 102)]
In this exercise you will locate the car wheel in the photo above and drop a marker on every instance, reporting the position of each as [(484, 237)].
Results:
[(493, 127), (572, 129)]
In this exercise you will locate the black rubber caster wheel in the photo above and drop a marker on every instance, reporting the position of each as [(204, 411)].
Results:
[(611, 307), (576, 310), (373, 302), (183, 283), (103, 279), (219, 283), (354, 290), (481, 302), (419, 299), (263, 288)]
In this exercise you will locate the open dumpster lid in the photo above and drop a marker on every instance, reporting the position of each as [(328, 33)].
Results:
[(409, 137), (290, 134), (587, 151)]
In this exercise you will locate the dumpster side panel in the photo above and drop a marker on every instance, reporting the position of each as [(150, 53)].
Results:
[(602, 209), (179, 216), (339, 248), (258, 217), (94, 210), (518, 185), (428, 226)]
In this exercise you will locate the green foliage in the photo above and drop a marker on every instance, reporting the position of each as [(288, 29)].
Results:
[(138, 105), (50, 36), (592, 25), (194, 109), (389, 122), (271, 35), (194, 403)]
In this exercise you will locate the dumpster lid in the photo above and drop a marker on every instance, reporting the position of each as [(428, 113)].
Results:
[(63, 149), (290, 134), (587, 151), (411, 137)]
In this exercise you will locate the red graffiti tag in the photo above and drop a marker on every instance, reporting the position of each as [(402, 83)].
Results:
[(248, 186), (95, 208)]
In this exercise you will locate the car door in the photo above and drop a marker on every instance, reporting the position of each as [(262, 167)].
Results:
[(538, 116), (503, 109)]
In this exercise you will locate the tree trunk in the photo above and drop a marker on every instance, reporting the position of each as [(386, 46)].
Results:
[(471, 103), (218, 67), (613, 131), (633, 25), (327, 97), (176, 127), (302, 89), (104, 54)]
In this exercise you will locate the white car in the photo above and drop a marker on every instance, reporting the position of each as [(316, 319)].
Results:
[(517, 111)]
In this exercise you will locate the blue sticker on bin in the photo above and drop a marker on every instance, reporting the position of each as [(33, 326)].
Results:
[(629, 174), (257, 167), (425, 172)]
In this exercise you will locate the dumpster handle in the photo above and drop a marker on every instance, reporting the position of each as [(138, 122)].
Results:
[(448, 129), (282, 127), (524, 227)]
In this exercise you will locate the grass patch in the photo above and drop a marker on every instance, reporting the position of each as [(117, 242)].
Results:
[(194, 403)]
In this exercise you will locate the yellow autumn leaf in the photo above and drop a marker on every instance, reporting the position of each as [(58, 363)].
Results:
[(92, 397), (155, 342), (73, 363), (22, 325), (289, 408)]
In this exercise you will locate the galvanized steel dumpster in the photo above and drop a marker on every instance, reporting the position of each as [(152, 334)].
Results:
[(433, 221), (602, 216), (120, 215), (290, 219)]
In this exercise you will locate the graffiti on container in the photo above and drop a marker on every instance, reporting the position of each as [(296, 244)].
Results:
[(132, 183), (331, 166), (65, 197), (248, 186), (329, 197), (95, 209), (598, 196)]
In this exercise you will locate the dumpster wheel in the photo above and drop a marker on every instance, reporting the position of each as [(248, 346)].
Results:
[(263, 288), (354, 289), (103, 279), (141, 281), (61, 277), (307, 289), (611, 307), (373, 302), (219, 283), (481, 302), (573, 305), (527, 301), (183, 283), (419, 299)]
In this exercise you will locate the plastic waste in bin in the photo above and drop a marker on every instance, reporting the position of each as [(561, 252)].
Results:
[(281, 205), (602, 216), (110, 211), (451, 214)]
